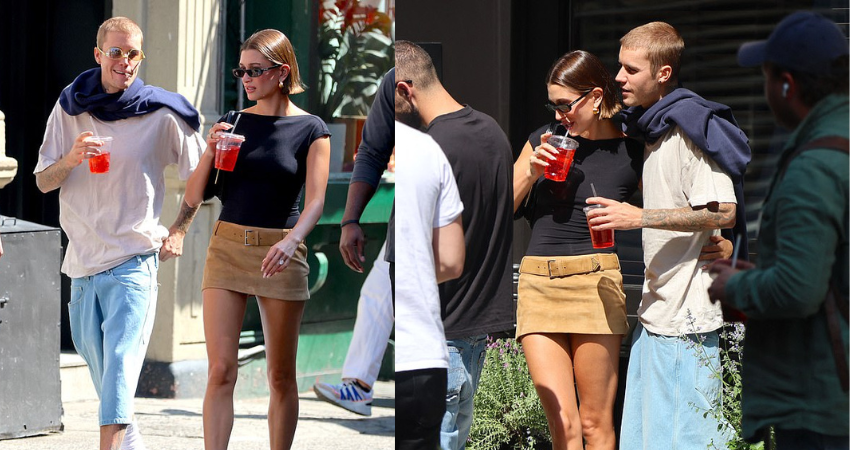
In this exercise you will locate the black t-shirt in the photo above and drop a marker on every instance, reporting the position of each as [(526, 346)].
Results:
[(559, 225), (264, 190), (480, 301)]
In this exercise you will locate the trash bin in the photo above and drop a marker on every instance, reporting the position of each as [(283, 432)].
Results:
[(30, 302)]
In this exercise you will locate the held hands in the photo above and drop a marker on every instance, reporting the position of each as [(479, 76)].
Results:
[(279, 256), (83, 148), (541, 156), (172, 246), (718, 248), (614, 216), (351, 243)]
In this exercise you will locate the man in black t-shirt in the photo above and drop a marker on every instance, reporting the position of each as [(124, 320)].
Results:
[(478, 303)]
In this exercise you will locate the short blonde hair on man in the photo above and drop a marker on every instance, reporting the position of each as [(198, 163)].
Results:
[(121, 24), (277, 48), (663, 45)]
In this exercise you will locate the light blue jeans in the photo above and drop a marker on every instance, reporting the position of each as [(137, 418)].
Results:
[(669, 387), (112, 315), (466, 361)]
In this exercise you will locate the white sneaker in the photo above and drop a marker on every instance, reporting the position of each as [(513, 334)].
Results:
[(132, 438), (348, 395)]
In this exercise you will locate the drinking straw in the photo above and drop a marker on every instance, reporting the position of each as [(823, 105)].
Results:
[(594, 189), (232, 129), (735, 251)]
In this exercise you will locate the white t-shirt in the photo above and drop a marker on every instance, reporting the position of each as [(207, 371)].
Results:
[(427, 199), (111, 217), (675, 300)]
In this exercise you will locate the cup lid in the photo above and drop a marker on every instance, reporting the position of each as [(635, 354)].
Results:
[(232, 136), (562, 141)]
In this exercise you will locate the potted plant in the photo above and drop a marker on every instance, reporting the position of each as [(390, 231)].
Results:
[(355, 51)]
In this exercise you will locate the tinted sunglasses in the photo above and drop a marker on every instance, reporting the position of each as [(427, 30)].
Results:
[(117, 53), (563, 109), (253, 73)]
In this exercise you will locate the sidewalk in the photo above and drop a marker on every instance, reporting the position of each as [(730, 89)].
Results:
[(176, 425)]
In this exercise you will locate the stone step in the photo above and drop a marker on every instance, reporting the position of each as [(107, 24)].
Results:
[(75, 378)]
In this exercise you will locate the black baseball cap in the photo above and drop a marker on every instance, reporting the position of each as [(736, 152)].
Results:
[(804, 41)]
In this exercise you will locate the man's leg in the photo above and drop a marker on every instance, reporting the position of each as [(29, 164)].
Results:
[(372, 330), (466, 360), (700, 391), (631, 426), (420, 403), (127, 295)]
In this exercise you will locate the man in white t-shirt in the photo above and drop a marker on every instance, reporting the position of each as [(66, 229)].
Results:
[(429, 250), (115, 240), (694, 156)]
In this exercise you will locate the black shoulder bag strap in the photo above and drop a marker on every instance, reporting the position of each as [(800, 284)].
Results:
[(833, 307)]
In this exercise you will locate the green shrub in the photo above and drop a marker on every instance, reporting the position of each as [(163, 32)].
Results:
[(508, 413)]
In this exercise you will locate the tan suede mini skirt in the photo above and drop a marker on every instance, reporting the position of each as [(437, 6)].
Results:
[(234, 258), (571, 294)]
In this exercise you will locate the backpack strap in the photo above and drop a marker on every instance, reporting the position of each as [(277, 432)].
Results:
[(836, 309), (836, 143)]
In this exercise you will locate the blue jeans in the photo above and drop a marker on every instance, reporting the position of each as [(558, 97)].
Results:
[(466, 360), (808, 440), (669, 387), (112, 315)]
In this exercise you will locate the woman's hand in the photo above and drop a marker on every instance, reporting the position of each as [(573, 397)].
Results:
[(279, 256), (541, 156), (214, 136)]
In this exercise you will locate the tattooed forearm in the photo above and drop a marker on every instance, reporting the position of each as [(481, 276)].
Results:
[(185, 217), (52, 177), (713, 216)]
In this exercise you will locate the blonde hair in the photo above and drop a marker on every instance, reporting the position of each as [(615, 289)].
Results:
[(277, 48), (663, 45), (120, 24)]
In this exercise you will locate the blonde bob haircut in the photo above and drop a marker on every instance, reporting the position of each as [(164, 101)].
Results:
[(277, 48), (663, 45), (581, 71), (120, 24)]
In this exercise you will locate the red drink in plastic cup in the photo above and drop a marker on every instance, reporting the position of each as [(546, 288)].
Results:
[(558, 169), (600, 239), (100, 163), (228, 150)]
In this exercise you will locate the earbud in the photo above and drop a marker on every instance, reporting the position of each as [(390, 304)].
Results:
[(785, 88)]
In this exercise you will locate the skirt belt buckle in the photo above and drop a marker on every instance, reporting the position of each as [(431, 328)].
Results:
[(246, 236)]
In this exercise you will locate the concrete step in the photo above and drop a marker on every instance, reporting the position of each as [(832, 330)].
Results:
[(75, 378)]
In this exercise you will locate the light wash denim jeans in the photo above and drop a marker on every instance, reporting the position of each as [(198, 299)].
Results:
[(809, 440), (466, 360), (112, 315), (669, 387)]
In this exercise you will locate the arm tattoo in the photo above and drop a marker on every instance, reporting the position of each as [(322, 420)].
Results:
[(52, 177), (185, 217), (712, 217)]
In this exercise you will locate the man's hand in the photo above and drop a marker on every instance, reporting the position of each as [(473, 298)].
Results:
[(172, 246), (351, 244), (722, 270), (614, 216)]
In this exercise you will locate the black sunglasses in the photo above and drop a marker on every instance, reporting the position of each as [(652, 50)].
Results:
[(410, 82), (117, 53), (253, 73), (563, 109)]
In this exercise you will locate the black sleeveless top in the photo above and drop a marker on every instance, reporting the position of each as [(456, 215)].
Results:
[(559, 226), (264, 190)]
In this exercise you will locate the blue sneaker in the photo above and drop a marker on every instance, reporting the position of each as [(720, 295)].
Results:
[(348, 395)]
